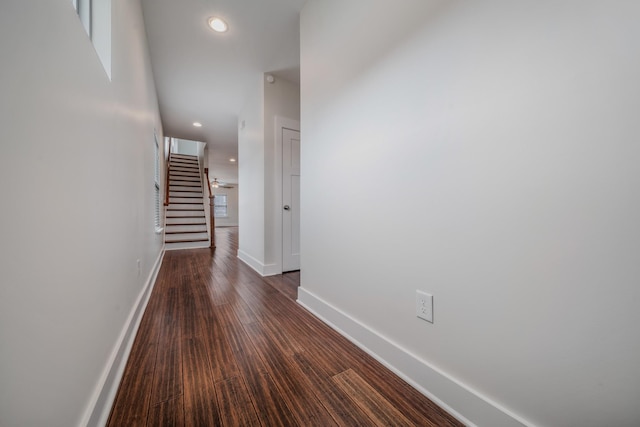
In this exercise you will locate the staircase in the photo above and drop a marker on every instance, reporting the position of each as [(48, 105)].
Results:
[(185, 222)]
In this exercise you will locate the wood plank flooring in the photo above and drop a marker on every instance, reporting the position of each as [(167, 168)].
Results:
[(219, 345)]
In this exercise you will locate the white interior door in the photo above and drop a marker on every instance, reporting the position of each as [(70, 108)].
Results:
[(290, 200)]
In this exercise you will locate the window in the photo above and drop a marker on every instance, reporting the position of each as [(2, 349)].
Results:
[(95, 16), (156, 187), (220, 206)]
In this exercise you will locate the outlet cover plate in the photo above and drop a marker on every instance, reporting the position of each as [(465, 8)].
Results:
[(424, 306)]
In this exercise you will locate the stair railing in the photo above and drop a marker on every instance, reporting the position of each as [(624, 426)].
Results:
[(211, 210)]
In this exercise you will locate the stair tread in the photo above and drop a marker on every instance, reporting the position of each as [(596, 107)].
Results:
[(184, 157)]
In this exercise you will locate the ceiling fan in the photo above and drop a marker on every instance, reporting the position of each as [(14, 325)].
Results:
[(217, 184)]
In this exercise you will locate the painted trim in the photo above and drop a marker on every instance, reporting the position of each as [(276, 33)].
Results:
[(174, 246), (471, 407), (281, 123), (104, 394), (257, 266)]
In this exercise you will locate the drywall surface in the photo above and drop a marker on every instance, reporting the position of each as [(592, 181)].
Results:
[(225, 172), (281, 99), (485, 152), (77, 182), (256, 172), (186, 146), (231, 219), (251, 175)]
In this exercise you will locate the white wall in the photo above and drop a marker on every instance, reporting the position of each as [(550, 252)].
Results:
[(186, 146), (256, 171), (232, 207), (251, 177), (282, 99), (225, 172), (504, 139), (76, 179)]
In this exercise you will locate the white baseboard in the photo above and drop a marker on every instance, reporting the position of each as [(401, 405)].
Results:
[(99, 407), (259, 267), (467, 405)]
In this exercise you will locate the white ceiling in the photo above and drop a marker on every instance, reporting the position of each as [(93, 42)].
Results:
[(205, 76)]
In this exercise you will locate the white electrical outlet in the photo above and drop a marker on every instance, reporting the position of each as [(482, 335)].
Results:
[(424, 306)]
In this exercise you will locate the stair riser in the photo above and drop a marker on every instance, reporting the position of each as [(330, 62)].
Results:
[(175, 174), (192, 220), (175, 183), (184, 169), (184, 188), (190, 178), (185, 194), (185, 200), (193, 237), (170, 229), (187, 206), (181, 183), (191, 214), (184, 178), (179, 168), (181, 172), (183, 156), (174, 177), (186, 245), (183, 161)]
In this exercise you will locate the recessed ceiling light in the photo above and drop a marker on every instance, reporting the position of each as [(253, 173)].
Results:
[(232, 160), (197, 124), (217, 24)]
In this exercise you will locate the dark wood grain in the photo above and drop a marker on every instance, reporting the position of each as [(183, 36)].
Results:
[(343, 410), (377, 408), (200, 408), (167, 413), (236, 407), (220, 345), (167, 382)]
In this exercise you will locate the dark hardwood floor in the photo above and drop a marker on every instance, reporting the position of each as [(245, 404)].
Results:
[(220, 345)]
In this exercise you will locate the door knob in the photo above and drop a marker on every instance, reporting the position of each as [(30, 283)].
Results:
[(286, 207)]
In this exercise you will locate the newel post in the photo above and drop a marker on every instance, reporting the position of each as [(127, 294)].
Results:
[(212, 219)]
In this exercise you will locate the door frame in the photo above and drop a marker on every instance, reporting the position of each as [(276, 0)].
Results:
[(281, 123)]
